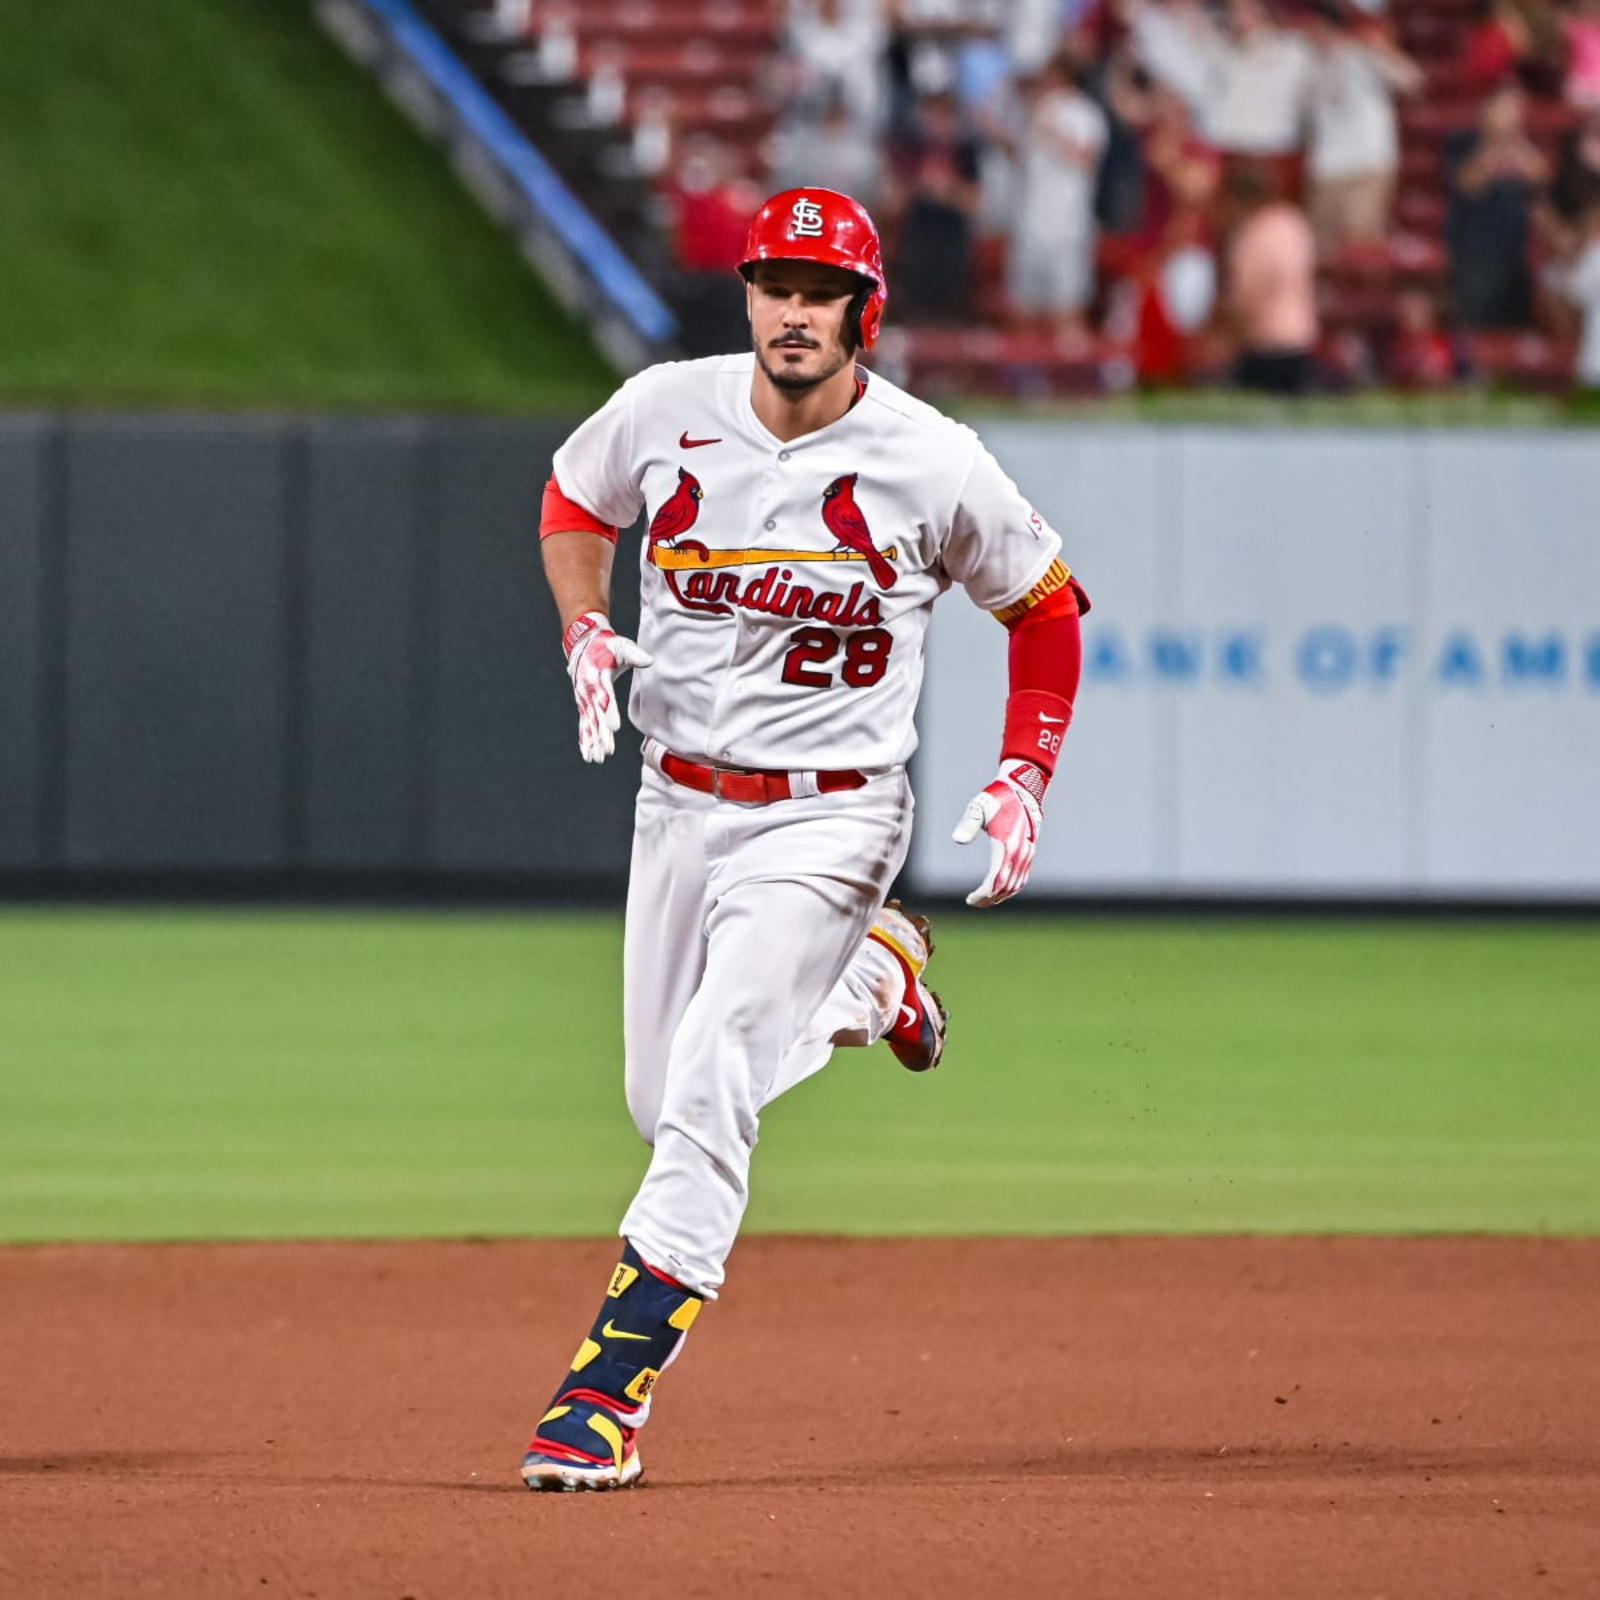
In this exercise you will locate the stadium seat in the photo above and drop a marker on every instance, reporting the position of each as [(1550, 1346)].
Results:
[(1527, 359)]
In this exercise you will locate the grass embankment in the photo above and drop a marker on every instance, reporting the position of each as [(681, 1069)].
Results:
[(225, 1074), (205, 204)]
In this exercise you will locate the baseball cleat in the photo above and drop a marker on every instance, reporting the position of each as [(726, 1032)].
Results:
[(918, 1033), (552, 1464)]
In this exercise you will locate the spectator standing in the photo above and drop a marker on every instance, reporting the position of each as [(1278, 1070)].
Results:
[(1122, 89), (710, 201), (1579, 282), (1246, 84), (1521, 38), (835, 51), (1271, 284), (1544, 64), (936, 176), (1582, 30), (1050, 265), (1494, 44), (1576, 185), (1033, 33), (1496, 173), (1353, 152), (1036, 30), (832, 152), (924, 45), (999, 119), (1169, 288)]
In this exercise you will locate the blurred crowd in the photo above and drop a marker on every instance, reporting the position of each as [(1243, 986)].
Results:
[(1182, 178)]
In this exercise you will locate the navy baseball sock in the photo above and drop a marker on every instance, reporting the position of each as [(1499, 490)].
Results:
[(641, 1323)]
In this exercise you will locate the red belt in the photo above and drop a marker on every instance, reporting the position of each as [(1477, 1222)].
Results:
[(750, 786)]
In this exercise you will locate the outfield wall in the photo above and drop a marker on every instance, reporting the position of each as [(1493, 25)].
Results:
[(284, 648), (1321, 664)]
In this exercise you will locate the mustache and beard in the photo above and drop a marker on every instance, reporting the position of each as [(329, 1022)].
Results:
[(793, 382)]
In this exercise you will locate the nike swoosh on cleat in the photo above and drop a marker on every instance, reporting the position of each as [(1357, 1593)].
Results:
[(908, 1017), (610, 1332), (686, 443)]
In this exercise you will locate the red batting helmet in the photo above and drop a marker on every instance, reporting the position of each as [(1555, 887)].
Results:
[(823, 225)]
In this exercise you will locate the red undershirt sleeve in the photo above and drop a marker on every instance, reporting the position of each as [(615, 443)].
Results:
[(558, 514)]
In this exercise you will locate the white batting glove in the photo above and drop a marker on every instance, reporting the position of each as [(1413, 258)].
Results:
[(1008, 810), (596, 658)]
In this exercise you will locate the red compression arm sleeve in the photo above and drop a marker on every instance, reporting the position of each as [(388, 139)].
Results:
[(1046, 662), (561, 515), (1047, 654)]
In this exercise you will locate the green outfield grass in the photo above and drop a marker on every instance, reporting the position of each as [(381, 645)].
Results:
[(206, 204), (200, 1074)]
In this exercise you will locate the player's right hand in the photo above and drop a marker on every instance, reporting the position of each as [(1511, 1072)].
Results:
[(1008, 810), (596, 657)]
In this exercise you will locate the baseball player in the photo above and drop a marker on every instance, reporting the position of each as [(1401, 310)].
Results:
[(804, 515)]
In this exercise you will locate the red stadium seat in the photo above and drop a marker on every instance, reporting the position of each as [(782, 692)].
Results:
[(1529, 360)]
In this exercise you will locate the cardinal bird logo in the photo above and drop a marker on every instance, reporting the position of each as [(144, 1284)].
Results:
[(845, 522), (678, 511)]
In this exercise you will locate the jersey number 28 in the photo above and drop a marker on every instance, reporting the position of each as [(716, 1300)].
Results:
[(866, 657)]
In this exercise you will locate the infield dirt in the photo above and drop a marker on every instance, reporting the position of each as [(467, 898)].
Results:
[(1085, 1417)]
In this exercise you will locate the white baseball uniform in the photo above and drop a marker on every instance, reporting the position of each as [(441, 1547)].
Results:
[(786, 588)]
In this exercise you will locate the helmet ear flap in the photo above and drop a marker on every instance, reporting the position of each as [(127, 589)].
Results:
[(852, 320)]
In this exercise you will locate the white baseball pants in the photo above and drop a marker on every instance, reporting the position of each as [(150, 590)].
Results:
[(744, 962)]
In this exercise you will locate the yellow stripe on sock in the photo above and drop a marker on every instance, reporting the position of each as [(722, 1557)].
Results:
[(611, 1433)]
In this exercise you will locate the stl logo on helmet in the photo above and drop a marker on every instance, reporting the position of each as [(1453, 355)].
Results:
[(807, 222)]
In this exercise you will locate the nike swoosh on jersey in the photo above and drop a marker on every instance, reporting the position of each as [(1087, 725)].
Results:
[(1044, 718), (611, 1332), (686, 443)]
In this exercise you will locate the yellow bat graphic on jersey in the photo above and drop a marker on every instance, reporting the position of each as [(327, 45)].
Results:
[(697, 558)]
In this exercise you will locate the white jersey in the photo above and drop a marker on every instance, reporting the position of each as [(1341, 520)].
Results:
[(786, 586)]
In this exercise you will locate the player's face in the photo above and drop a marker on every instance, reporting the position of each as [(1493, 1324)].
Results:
[(797, 321)]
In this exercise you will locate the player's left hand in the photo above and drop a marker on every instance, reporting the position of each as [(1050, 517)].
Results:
[(596, 657), (1008, 810)]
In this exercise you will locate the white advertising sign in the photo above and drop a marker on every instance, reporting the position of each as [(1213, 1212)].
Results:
[(1362, 664)]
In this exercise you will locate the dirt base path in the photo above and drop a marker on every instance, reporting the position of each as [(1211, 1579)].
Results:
[(1098, 1418)]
